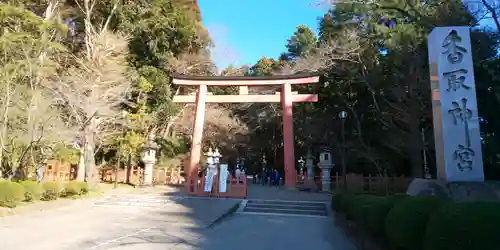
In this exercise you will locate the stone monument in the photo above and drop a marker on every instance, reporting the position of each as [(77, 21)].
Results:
[(454, 105), (457, 139), (148, 157), (326, 165)]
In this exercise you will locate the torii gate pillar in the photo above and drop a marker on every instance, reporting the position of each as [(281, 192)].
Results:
[(199, 120), (288, 138)]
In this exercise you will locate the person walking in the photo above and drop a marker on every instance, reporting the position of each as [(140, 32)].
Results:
[(237, 174), (276, 178), (262, 176)]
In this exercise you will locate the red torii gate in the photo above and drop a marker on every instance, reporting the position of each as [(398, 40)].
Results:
[(286, 97)]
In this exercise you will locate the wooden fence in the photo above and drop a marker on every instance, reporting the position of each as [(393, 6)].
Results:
[(161, 176), (372, 184), (59, 171), (365, 184)]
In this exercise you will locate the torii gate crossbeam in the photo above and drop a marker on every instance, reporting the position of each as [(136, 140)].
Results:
[(286, 97)]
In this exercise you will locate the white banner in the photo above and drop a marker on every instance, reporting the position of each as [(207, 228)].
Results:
[(223, 174), (209, 178)]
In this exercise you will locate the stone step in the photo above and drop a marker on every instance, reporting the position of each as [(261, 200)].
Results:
[(286, 207), (284, 211), (282, 206), (283, 202)]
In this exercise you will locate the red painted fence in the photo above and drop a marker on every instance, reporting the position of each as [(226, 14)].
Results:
[(235, 188)]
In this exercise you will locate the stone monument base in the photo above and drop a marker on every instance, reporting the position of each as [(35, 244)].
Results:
[(308, 186), (461, 191)]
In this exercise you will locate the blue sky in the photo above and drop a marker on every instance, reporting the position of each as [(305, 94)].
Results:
[(246, 30)]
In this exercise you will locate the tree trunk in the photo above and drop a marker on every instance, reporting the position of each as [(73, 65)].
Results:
[(89, 156), (129, 168), (415, 143), (80, 173), (5, 121), (416, 151)]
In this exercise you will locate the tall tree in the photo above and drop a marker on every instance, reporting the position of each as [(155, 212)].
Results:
[(302, 43)]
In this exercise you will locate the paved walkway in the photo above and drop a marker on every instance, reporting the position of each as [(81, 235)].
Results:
[(243, 232), (180, 224), (256, 191)]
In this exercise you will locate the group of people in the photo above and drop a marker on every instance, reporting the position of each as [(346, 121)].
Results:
[(240, 174), (267, 176)]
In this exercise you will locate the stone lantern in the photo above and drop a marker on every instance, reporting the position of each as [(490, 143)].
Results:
[(216, 155), (148, 157), (309, 164), (301, 163), (326, 165), (238, 162)]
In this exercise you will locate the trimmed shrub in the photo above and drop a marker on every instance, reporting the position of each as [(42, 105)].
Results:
[(74, 188), (52, 191), (377, 212), (406, 222), (11, 194), (336, 201), (84, 187), (464, 226), (33, 191), (70, 189), (345, 200), (339, 201), (357, 207)]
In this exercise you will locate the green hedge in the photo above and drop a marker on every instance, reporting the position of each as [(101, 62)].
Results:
[(14, 193), (337, 201), (406, 223), (424, 223), (377, 213), (464, 226), (74, 188), (359, 207), (33, 191), (11, 194), (369, 211), (52, 190)]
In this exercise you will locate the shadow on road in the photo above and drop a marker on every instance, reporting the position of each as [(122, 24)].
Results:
[(195, 223)]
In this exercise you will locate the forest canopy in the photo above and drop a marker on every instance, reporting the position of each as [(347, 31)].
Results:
[(87, 82)]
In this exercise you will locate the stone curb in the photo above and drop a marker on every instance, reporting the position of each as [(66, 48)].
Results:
[(225, 215)]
